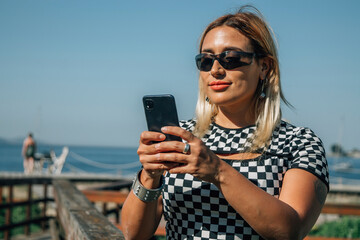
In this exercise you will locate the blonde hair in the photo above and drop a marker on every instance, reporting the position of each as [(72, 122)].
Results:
[(267, 110)]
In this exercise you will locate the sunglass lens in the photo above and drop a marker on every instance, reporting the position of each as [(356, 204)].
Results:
[(204, 62), (232, 59)]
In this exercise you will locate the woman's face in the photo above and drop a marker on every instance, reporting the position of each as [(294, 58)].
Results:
[(229, 88)]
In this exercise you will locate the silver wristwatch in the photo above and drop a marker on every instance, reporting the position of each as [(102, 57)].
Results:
[(144, 194)]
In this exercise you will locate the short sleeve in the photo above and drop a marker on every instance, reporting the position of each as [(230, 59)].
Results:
[(188, 125), (308, 153)]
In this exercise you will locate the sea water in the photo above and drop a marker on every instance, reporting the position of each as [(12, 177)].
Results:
[(124, 161), (103, 160)]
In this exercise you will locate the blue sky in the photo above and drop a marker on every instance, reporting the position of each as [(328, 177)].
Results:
[(74, 72)]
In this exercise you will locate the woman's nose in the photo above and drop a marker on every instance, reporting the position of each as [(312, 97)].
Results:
[(217, 70)]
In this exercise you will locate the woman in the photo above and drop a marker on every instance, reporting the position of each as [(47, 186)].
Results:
[(241, 172)]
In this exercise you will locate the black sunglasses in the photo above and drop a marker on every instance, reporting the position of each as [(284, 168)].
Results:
[(228, 59)]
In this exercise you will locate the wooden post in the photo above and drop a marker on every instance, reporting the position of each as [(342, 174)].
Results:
[(53, 230), (43, 224), (7, 233), (117, 215), (28, 210), (104, 208)]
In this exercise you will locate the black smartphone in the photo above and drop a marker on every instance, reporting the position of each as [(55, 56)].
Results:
[(160, 111)]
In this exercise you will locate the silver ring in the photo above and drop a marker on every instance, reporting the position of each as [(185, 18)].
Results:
[(186, 148)]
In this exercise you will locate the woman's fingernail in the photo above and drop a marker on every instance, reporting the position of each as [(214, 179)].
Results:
[(163, 128)]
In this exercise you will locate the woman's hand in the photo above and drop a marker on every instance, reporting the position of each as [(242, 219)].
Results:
[(152, 167), (200, 161)]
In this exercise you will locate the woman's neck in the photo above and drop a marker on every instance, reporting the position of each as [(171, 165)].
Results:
[(235, 117)]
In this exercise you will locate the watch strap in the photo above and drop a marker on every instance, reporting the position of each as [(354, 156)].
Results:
[(144, 194)]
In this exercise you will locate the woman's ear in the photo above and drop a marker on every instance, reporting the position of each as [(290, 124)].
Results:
[(264, 67)]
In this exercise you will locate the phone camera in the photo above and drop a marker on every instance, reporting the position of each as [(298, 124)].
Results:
[(149, 104)]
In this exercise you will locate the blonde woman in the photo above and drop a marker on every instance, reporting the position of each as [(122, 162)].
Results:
[(241, 172)]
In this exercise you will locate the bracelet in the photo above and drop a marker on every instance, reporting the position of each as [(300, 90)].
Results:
[(144, 194)]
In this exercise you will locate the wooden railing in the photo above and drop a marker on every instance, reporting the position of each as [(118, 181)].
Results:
[(79, 219), (106, 196), (28, 203), (341, 209)]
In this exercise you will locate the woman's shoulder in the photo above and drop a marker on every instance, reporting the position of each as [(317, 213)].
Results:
[(303, 148), (286, 137), (288, 131)]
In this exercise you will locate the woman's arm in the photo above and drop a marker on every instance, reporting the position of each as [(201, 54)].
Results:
[(289, 217), (139, 219)]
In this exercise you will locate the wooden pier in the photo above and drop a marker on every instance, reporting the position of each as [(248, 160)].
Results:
[(88, 206)]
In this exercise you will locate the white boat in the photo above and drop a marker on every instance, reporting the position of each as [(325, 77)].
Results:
[(54, 163)]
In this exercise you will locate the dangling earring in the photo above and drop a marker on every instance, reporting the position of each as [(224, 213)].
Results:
[(263, 94), (207, 99)]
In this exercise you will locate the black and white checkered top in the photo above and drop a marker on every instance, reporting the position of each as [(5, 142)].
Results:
[(194, 209)]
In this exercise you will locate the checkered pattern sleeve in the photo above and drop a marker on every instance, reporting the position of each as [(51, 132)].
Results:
[(308, 153), (188, 125)]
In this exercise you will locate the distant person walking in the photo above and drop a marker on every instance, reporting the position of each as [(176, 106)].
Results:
[(28, 152)]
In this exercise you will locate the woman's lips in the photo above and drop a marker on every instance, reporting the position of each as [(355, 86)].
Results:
[(219, 85)]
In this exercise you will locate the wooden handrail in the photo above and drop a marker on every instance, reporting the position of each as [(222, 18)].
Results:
[(105, 196), (9, 180), (115, 197), (79, 218), (341, 209)]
